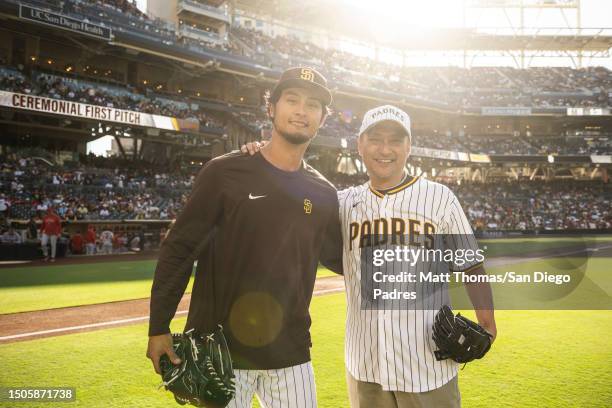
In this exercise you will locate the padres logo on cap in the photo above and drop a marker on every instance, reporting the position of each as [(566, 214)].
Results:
[(307, 75)]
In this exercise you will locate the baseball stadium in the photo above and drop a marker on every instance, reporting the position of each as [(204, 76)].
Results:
[(129, 128)]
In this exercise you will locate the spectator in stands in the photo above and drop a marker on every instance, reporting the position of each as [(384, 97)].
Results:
[(50, 229), (11, 237), (104, 213), (106, 237), (77, 243), (4, 224), (82, 211), (119, 242), (41, 208), (90, 240), (32, 229), (141, 239), (135, 243), (4, 206)]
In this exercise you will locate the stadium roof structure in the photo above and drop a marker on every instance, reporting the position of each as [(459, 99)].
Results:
[(316, 14)]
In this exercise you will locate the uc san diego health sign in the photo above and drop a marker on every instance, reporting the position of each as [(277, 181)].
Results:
[(64, 22)]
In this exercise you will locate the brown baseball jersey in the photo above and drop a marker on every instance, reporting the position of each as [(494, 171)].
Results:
[(258, 234)]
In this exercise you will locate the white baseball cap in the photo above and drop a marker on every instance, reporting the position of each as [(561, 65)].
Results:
[(385, 112)]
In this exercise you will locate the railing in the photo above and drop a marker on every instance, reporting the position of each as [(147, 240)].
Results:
[(198, 34), (219, 13)]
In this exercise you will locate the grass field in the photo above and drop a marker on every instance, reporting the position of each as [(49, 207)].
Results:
[(44, 287), (541, 359)]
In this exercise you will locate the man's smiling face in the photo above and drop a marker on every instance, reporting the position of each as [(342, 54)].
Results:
[(298, 115), (384, 149)]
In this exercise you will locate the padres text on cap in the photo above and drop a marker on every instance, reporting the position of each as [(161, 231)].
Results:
[(385, 112)]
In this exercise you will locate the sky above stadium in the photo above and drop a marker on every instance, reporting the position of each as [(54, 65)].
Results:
[(449, 13)]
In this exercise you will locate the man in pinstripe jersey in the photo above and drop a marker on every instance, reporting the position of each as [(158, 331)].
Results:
[(389, 353)]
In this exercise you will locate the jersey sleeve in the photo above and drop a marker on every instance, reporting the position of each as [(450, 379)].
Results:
[(331, 251), (460, 238), (191, 233), (344, 197)]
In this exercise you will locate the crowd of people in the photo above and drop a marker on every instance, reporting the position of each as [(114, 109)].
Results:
[(339, 124), (600, 144), (83, 91), (466, 88), (454, 87), (526, 205), (93, 189), (98, 188), (537, 205), (36, 198)]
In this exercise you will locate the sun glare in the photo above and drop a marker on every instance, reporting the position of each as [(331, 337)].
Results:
[(411, 13)]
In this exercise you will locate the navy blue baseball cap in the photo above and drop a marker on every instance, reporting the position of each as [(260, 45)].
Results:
[(303, 77)]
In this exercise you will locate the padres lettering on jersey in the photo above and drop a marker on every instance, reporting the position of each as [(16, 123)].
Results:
[(392, 230), (394, 348)]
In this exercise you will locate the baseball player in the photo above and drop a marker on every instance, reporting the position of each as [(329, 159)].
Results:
[(389, 354), (106, 238), (50, 228), (258, 226), (90, 240)]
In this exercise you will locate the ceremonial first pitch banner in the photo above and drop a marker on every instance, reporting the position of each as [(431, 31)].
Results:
[(86, 111)]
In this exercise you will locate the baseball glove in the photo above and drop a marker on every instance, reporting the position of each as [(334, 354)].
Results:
[(205, 377), (459, 338)]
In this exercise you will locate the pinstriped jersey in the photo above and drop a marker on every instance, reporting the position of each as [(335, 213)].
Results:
[(394, 348)]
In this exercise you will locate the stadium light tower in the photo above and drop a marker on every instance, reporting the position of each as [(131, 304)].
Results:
[(531, 17)]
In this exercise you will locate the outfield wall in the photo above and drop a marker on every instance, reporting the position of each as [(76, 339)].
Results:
[(532, 232)]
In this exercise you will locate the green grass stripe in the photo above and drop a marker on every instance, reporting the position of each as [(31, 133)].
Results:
[(540, 359), (44, 287)]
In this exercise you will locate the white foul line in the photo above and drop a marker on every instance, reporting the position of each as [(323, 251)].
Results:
[(84, 326)]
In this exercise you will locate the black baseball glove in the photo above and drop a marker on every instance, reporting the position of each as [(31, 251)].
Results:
[(459, 338), (205, 377)]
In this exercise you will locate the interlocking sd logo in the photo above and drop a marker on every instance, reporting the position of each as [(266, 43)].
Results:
[(307, 75), (307, 206)]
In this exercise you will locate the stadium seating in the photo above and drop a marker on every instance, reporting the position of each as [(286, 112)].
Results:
[(339, 124), (96, 189), (475, 87), (557, 205), (112, 189), (100, 188), (450, 86)]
